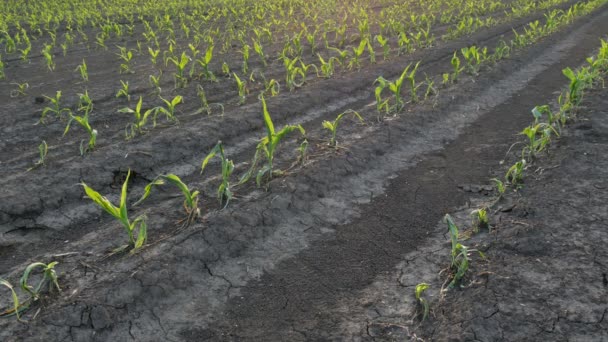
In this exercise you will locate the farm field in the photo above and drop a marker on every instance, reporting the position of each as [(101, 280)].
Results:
[(282, 170)]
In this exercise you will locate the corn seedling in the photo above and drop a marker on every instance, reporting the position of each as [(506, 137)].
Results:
[(480, 219), (120, 213), (267, 147), (472, 58), (47, 53), (155, 83), (224, 194), (575, 87), (124, 90), (226, 69), (245, 53), (386, 48), (292, 73), (539, 137), (169, 110), (49, 277), (25, 53), (16, 304), (327, 68), (419, 292), (242, 88), (43, 150), (342, 54), (395, 88), (205, 105), (405, 43), (21, 89), (55, 108), (125, 56), (180, 64), (136, 127), (332, 126), (84, 73), (84, 122), (257, 47), (357, 53), (204, 61), (459, 254), (272, 87), (190, 197), (500, 186), (514, 175), (456, 69), (153, 55)]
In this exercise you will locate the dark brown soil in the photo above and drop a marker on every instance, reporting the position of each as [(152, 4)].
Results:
[(331, 251)]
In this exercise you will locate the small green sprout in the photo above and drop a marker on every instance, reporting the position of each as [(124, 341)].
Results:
[(268, 146), (56, 108), (49, 277), (134, 128), (21, 89), (43, 150), (169, 110), (419, 291), (190, 197), (124, 90), (514, 175), (480, 219), (84, 72), (16, 304), (332, 126), (459, 253), (224, 194), (242, 88), (120, 213)]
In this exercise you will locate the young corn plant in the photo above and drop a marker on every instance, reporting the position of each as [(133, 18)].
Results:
[(257, 47), (205, 105), (456, 68), (327, 67), (539, 137), (49, 278), (21, 89), (155, 83), (190, 197), (480, 219), (124, 91), (224, 194), (514, 175), (242, 88), (424, 304), (267, 148), (136, 127), (204, 61), (245, 53), (169, 110), (47, 53), (84, 72), (332, 126), (16, 303), (395, 88), (472, 58), (153, 55), (85, 105), (180, 65), (136, 227), (43, 150), (357, 53), (126, 56), (459, 254), (55, 108), (386, 48)]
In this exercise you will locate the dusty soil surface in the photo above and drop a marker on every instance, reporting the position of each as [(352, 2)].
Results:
[(330, 252)]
